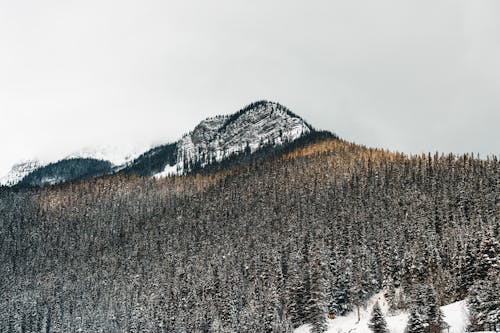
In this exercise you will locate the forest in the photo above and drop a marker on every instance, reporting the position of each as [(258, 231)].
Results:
[(264, 246)]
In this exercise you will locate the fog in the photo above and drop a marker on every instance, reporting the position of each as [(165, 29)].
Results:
[(410, 76)]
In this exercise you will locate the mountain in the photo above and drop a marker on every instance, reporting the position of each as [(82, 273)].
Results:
[(67, 170), (19, 171), (116, 155), (260, 124), (46, 173), (216, 142), (314, 232)]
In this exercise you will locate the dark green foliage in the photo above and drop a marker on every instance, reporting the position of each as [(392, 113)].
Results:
[(489, 257), (377, 321), (153, 161), (415, 324), (468, 272), (427, 307), (484, 304), (483, 298), (316, 300), (67, 170), (341, 300)]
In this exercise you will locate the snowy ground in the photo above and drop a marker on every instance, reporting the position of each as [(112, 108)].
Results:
[(455, 316)]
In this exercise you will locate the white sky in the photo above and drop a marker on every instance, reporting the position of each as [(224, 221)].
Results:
[(413, 76)]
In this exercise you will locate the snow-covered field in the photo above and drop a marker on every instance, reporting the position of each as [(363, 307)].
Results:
[(455, 316)]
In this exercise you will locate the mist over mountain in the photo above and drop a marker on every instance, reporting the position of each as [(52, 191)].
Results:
[(260, 124), (140, 193)]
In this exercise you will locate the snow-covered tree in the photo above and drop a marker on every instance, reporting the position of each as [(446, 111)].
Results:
[(377, 321), (316, 304), (489, 257), (415, 324), (483, 302)]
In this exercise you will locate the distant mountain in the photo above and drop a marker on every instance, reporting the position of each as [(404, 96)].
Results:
[(19, 171), (67, 170), (45, 170), (257, 130), (117, 155)]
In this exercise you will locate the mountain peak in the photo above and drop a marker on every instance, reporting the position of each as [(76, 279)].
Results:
[(19, 171), (259, 124), (264, 108)]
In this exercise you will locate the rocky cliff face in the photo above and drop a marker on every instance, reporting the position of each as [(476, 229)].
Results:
[(214, 139)]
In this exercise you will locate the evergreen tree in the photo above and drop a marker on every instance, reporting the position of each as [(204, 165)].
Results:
[(377, 321), (431, 310), (342, 300), (489, 257), (468, 270), (483, 302), (316, 305), (415, 324), (202, 247)]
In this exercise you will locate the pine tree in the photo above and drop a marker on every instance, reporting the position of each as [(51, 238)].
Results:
[(431, 310), (297, 293), (489, 257), (415, 324), (342, 300), (467, 270), (316, 306), (484, 303), (377, 321)]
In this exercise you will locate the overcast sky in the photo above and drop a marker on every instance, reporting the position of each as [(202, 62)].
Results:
[(413, 76)]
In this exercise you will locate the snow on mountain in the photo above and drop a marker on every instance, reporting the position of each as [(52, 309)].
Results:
[(259, 124), (19, 170), (117, 155), (455, 315)]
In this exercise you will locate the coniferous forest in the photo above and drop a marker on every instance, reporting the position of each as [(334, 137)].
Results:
[(261, 247)]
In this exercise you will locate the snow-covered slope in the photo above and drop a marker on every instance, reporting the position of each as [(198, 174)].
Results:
[(117, 155), (455, 315), (259, 124), (19, 170)]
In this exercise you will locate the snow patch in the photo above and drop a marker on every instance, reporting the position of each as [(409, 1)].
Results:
[(455, 315), (170, 170)]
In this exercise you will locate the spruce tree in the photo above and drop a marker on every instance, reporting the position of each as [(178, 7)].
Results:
[(342, 300), (489, 257), (415, 324), (431, 311), (484, 303), (377, 321), (316, 305)]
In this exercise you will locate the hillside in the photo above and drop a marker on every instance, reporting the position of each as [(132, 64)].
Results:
[(263, 246), (455, 315)]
